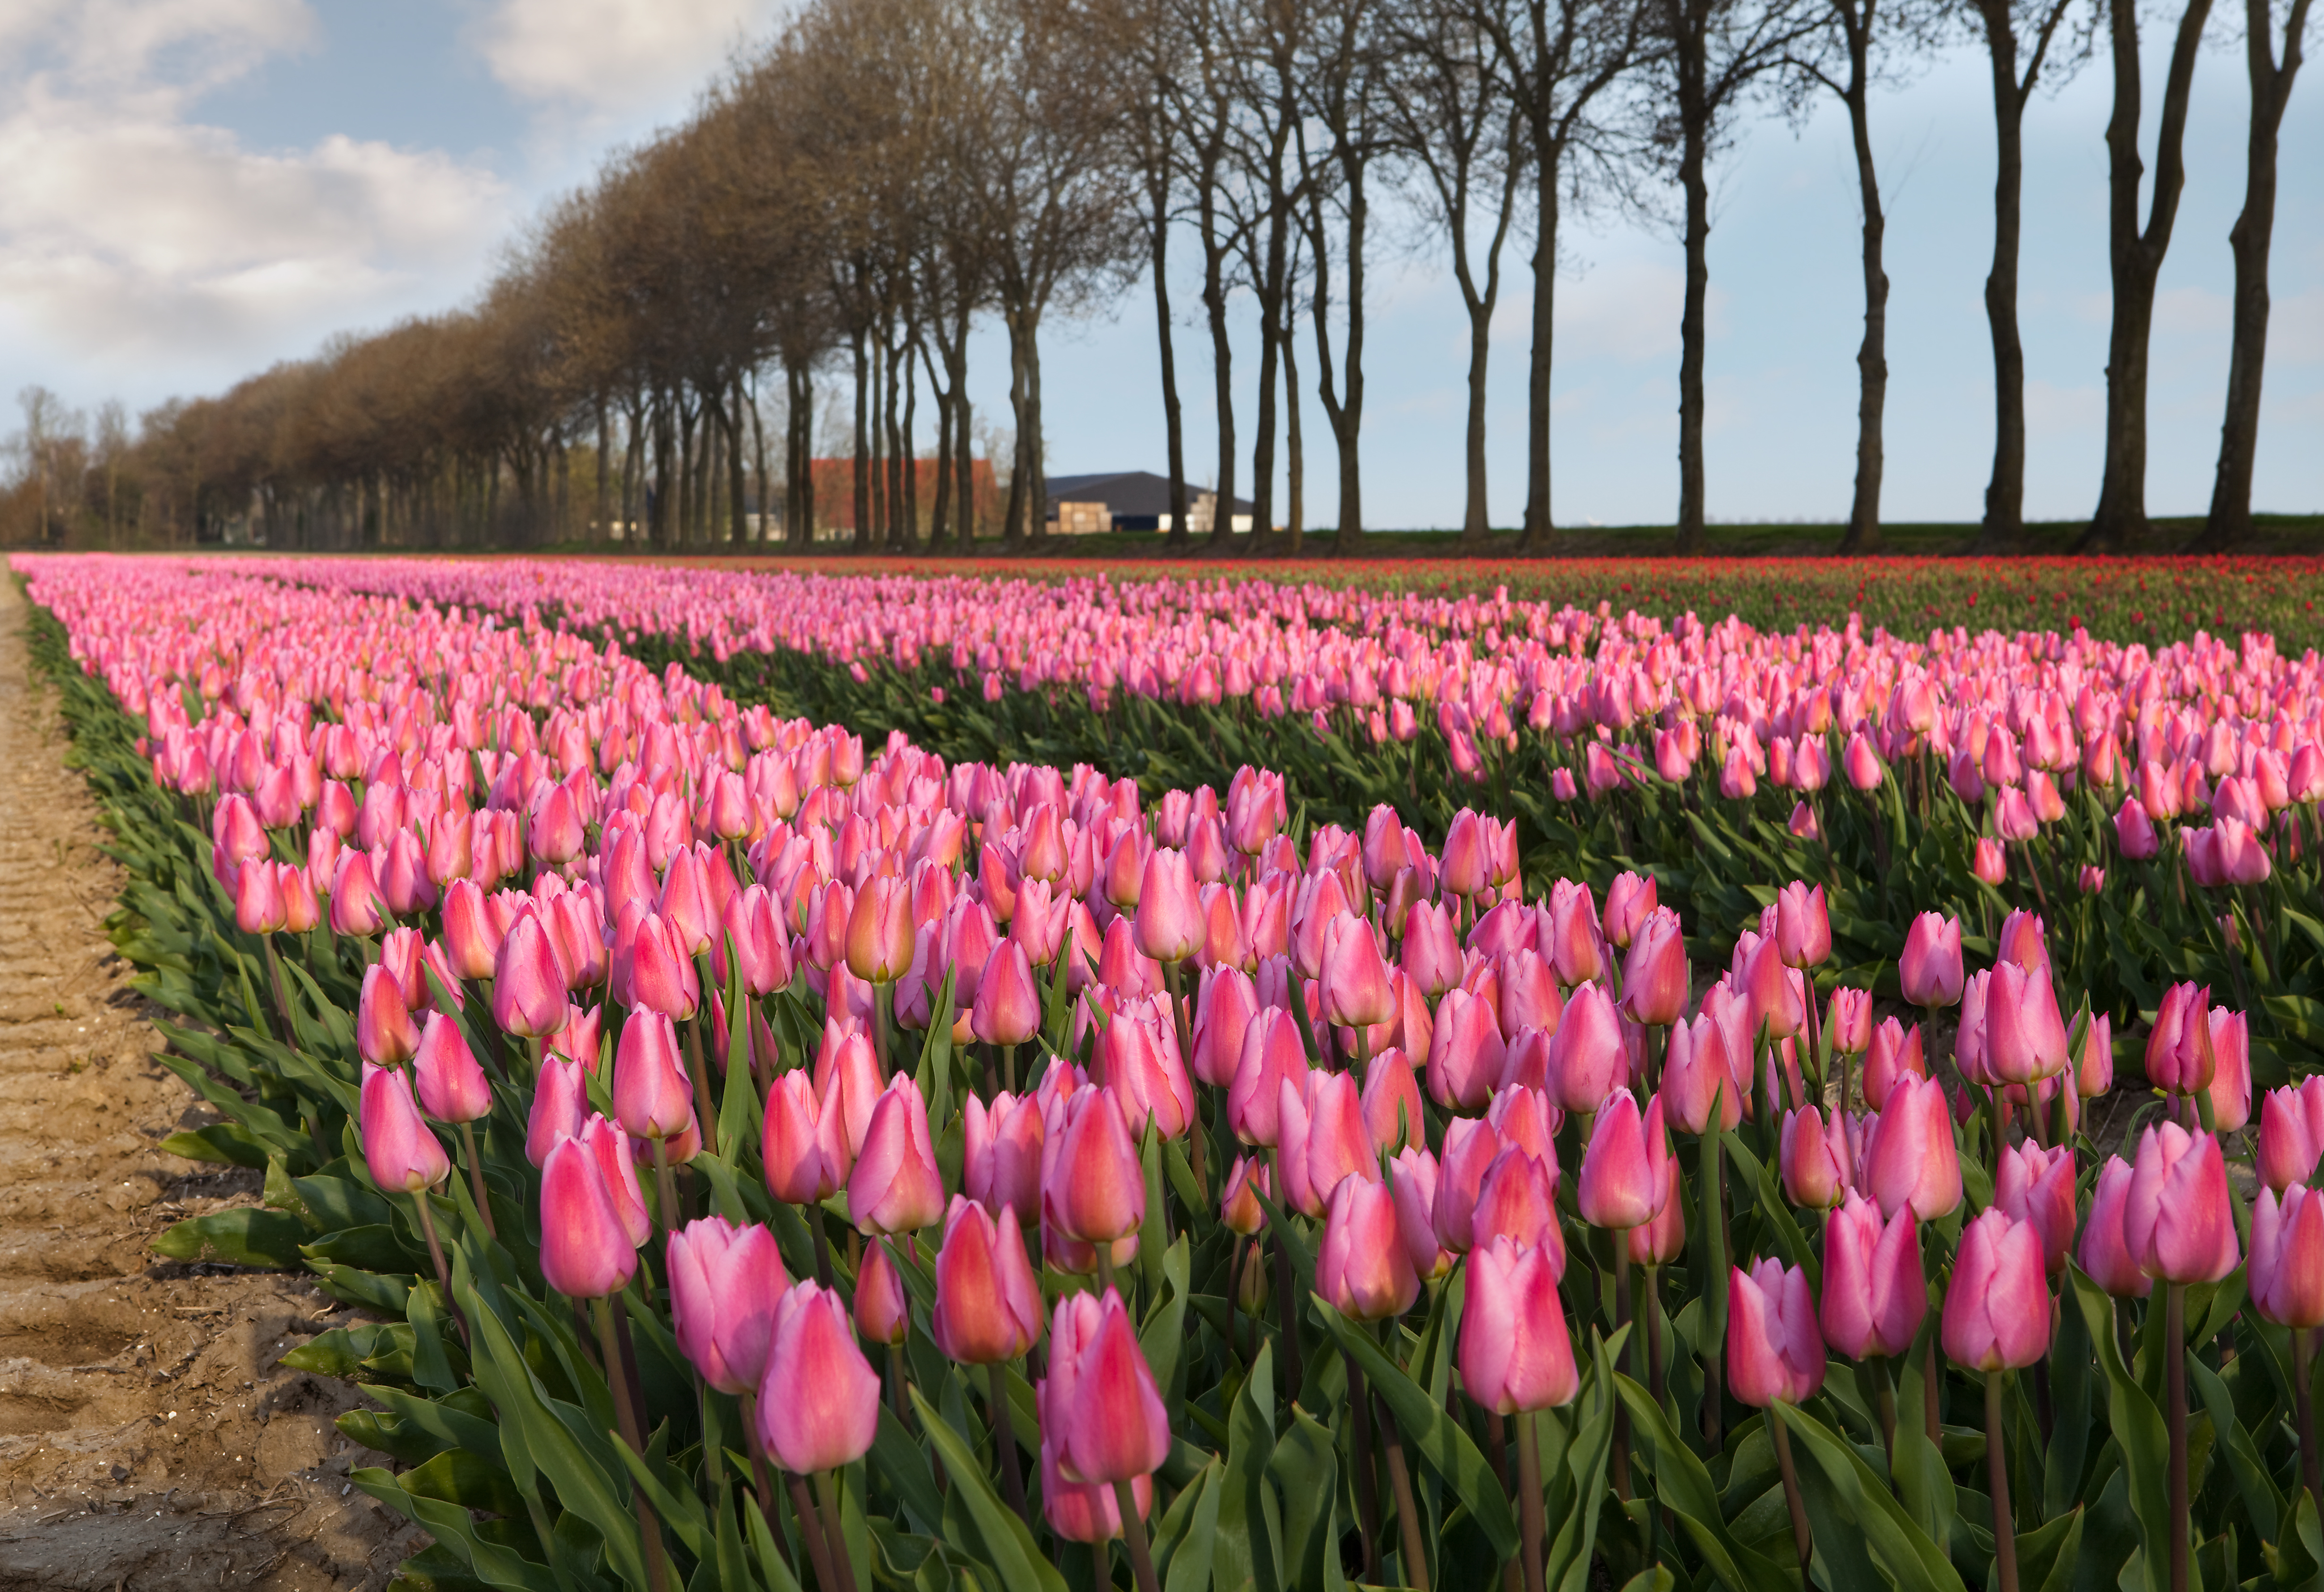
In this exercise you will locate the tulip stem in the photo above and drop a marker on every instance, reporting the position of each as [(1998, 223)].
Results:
[(1623, 1320), (706, 1112), (1887, 1400), (2304, 1409), (1133, 1533), (476, 1178), (827, 1489), (1008, 1068), (814, 1214), (626, 1416), (761, 1489), (436, 1254), (1366, 1483), (1407, 1513), (665, 1186), (2174, 1387), (1933, 1391), (810, 1525), (1802, 1541), (1004, 1438), (1529, 1513), (1234, 1286), (1997, 1461), (1286, 1315), (1712, 1285)]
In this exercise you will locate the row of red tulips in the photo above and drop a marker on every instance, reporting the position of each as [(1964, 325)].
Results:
[(672, 958)]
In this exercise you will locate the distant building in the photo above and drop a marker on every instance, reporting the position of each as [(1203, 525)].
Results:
[(1130, 500)]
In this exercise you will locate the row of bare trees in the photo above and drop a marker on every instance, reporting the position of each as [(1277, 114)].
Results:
[(850, 200)]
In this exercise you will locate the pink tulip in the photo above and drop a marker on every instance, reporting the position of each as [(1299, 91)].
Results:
[(1987, 861), (1910, 1159), (725, 1284), (1411, 1180), (1802, 925), (1099, 1405), (1874, 1297), (400, 1150), (1516, 1350), (895, 1186), (1272, 1057), (1364, 1268), (1431, 951), (1517, 1196), (1774, 1350), (2177, 1220), (2024, 1036), (1618, 1187), (385, 1034), (529, 987), (2287, 1257), (1587, 1056), (1465, 1052), (791, 1140), (1815, 1162), (2134, 831), (1698, 1073), (2036, 1186), (2178, 1061), (1007, 1007), (1776, 992), (1391, 1101), (1654, 975), (882, 1313), (1169, 908), (2103, 1253), (2094, 1070), (560, 1104), (1861, 763), (1930, 966), (820, 1399), (1355, 975), (2291, 1134), (1895, 1054), (652, 1096), (1997, 1308), (1239, 1208), (1093, 1188), (988, 1304), (880, 931), (1664, 1238), (1850, 1022), (2230, 1088), (452, 1086), (586, 1253)]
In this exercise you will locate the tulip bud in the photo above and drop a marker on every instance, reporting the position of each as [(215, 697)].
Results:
[(791, 1141), (452, 1087), (895, 1186), (819, 1400), (724, 1285), (653, 1099), (1099, 1405), (586, 1252), (2177, 1219), (1239, 1208), (1910, 1158), (1618, 1188), (1588, 1059), (1997, 1308), (882, 1313), (2287, 1257), (1815, 1166), (1092, 1187), (1929, 969), (1774, 1348), (1002, 1153), (529, 987), (385, 1034), (1008, 1006), (1894, 1054), (1364, 1268), (400, 1150), (1654, 975), (1516, 1350), (1874, 1296), (988, 1305), (1802, 925)]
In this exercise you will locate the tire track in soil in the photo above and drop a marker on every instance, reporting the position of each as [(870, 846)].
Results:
[(150, 1440)]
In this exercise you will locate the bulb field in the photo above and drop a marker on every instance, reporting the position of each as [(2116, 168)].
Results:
[(898, 1079)]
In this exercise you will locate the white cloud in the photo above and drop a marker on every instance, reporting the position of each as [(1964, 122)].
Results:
[(135, 240), (2296, 328), (2193, 309), (608, 57)]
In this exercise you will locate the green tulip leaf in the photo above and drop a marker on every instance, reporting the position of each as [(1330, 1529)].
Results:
[(1003, 1540)]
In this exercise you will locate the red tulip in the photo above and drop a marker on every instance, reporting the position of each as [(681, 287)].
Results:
[(1099, 1405), (586, 1253), (2287, 1257), (819, 1400), (1618, 1186), (1516, 1350), (452, 1087), (725, 1284), (1774, 1350), (1930, 966), (2178, 1222), (895, 1186), (988, 1304), (1997, 1308), (1364, 1267), (1874, 1297)]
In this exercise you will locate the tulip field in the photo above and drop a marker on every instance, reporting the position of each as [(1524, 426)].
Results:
[(908, 1081)]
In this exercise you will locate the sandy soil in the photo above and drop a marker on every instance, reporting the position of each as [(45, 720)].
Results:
[(149, 1438)]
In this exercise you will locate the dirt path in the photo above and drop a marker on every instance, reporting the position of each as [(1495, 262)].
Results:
[(147, 1437)]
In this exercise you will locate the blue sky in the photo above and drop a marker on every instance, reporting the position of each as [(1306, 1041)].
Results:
[(191, 189)]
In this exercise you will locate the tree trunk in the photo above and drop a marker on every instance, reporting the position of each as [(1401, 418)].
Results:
[(602, 526), (1012, 532), (1270, 334), (1863, 533), (659, 508), (2137, 258), (963, 459), (1547, 155), (759, 458), (939, 510), (1295, 451), (1029, 445), (862, 462), (881, 401), (1347, 424), (1215, 302), (2230, 520), (1694, 127), (908, 450), (1173, 424), (738, 508)]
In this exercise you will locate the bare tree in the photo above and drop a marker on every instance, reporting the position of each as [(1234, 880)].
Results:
[(2230, 520)]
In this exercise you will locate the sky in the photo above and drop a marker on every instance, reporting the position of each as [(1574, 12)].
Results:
[(192, 190)]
